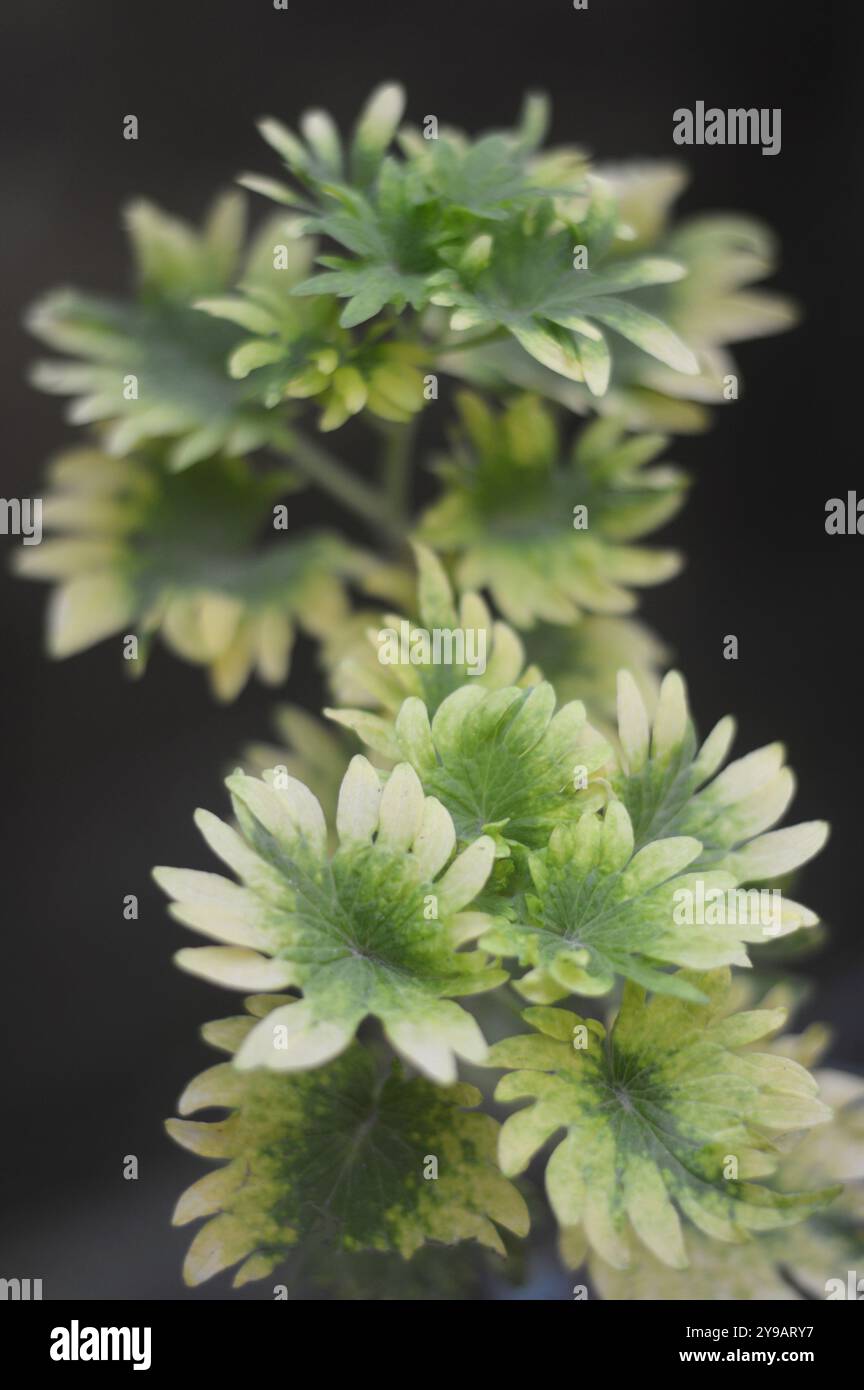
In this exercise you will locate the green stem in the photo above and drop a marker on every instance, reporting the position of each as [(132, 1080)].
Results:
[(396, 468), (327, 472)]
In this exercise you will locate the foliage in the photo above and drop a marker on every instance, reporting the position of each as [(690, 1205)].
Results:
[(654, 1110), (523, 807), (507, 502), (809, 1260), (146, 550), (371, 930), (334, 1158)]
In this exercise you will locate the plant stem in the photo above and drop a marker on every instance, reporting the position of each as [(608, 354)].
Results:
[(329, 473), (396, 468)]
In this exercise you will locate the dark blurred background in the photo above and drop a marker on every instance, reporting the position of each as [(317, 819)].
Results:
[(101, 775)]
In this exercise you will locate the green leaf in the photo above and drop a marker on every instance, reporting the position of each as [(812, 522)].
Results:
[(672, 786), (530, 287), (173, 260), (392, 657), (254, 353), (648, 333), (503, 760), (598, 911), (374, 131), (665, 1117), (371, 931), (810, 1260), (154, 368), (715, 304), (815, 1256), (342, 1158), (143, 549), (489, 178), (394, 238), (550, 537), (307, 749), (706, 308), (305, 352)]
